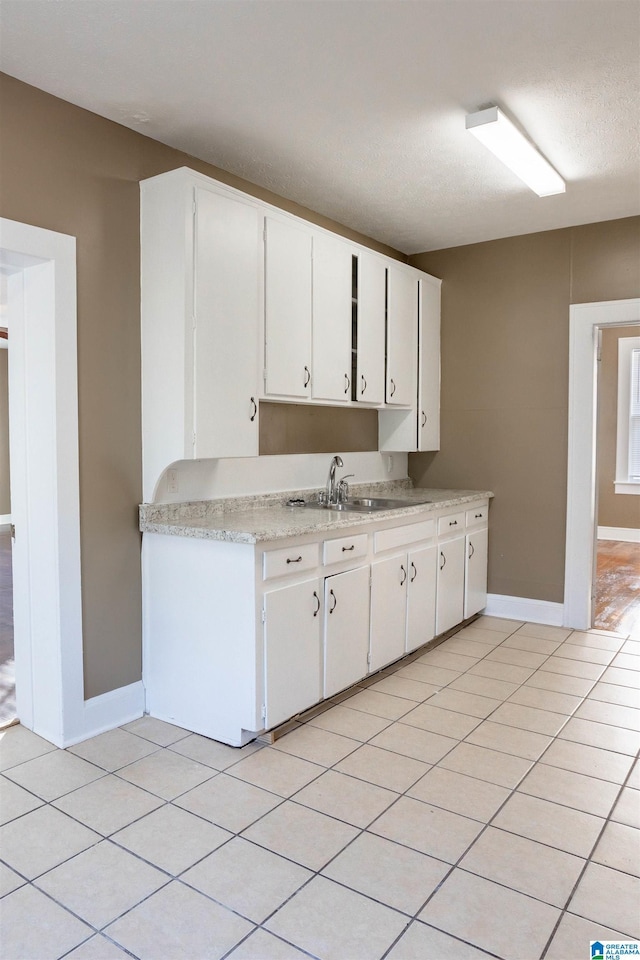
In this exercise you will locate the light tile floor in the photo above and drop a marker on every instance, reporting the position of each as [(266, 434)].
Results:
[(478, 800)]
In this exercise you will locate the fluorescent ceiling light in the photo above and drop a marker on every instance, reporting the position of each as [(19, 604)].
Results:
[(497, 132)]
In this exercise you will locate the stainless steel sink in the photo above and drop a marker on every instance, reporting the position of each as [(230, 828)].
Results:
[(365, 504)]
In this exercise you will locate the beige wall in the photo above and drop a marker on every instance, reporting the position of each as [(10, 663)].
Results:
[(505, 356), (5, 497), (65, 169), (614, 509)]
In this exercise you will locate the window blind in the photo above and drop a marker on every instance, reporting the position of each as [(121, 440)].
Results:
[(634, 417)]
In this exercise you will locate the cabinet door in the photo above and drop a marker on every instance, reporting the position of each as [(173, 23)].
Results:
[(388, 610), (450, 595), (287, 309), (402, 337), (228, 273), (475, 580), (291, 650), (346, 639), (429, 373), (370, 345), (421, 597), (332, 274)]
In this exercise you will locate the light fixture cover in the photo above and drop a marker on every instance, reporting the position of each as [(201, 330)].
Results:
[(497, 132)]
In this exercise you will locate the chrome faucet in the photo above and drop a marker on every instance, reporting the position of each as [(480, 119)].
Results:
[(331, 490)]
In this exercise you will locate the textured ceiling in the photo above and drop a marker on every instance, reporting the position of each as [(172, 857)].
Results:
[(357, 109)]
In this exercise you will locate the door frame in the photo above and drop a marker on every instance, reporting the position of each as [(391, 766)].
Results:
[(585, 320), (45, 502)]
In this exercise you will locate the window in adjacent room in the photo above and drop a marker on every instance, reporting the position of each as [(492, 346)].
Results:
[(628, 437)]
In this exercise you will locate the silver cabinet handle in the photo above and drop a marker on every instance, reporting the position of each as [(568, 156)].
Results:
[(297, 560), (404, 575), (393, 387), (307, 376), (255, 409), (364, 384), (472, 550), (347, 383), (444, 560), (415, 571), (335, 601), (424, 419), (317, 609)]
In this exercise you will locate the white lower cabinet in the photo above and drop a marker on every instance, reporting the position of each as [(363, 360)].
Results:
[(388, 610), (346, 629), (291, 650), (421, 597), (450, 606), (475, 572)]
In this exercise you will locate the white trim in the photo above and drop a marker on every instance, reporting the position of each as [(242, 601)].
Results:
[(625, 534), (631, 487), (110, 710), (522, 608), (5, 519), (4, 344), (585, 321)]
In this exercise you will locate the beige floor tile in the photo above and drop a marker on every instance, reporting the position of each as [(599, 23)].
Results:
[(627, 809), (593, 762), (611, 713), (609, 897), (421, 941), (446, 722), (402, 687), (573, 933), (97, 948), (470, 704), (624, 678), (108, 804), (247, 878), (559, 683), (572, 651), (156, 730), (563, 703), (428, 829), (496, 670), (382, 767), (101, 883), (484, 686), (265, 946), (179, 922), (611, 693), (599, 640), (171, 838), (277, 771), (520, 658), (619, 848), (17, 745), (387, 872), (14, 801), (413, 742), (634, 777), (350, 723), (628, 661), (9, 880), (346, 798), (573, 668), (529, 718), (330, 921), (601, 735), (443, 656), (467, 796), (211, 753), (230, 803), (570, 789), (562, 827), (301, 834), (437, 676), (543, 632), (55, 933), (113, 749), (499, 624), (379, 704), (520, 641), (512, 740), (318, 746), (166, 774), (41, 840), (631, 646), (54, 774), (502, 921), (480, 636), (485, 764)]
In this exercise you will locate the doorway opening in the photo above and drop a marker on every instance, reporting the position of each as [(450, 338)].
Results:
[(7, 663)]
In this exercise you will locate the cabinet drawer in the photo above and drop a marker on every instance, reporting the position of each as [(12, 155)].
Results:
[(452, 523), (279, 563), (477, 516), (399, 536), (345, 548)]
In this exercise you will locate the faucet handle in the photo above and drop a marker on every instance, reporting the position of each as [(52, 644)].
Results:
[(343, 488)]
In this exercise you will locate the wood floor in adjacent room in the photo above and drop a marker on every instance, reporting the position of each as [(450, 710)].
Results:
[(617, 587)]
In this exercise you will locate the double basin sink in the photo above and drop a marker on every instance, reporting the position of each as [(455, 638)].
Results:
[(364, 504)]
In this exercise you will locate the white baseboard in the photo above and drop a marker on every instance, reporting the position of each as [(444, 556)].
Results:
[(521, 608), (627, 534), (5, 519), (110, 710)]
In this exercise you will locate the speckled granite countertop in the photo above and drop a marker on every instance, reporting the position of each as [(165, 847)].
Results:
[(265, 517)]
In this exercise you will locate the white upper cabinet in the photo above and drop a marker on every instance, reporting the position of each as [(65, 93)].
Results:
[(228, 254), (429, 370), (402, 336), (331, 319), (287, 309), (370, 305)]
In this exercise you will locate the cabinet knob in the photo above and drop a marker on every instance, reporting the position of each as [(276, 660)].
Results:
[(307, 376), (393, 387), (347, 383), (335, 601), (404, 575), (317, 599), (363, 386), (254, 407)]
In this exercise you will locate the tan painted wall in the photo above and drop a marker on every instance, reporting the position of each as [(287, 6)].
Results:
[(505, 356), (614, 509), (65, 169), (5, 493)]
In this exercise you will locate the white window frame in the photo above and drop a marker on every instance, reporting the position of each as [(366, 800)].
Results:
[(623, 482)]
